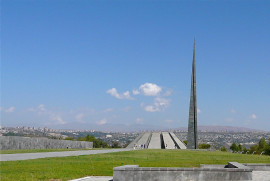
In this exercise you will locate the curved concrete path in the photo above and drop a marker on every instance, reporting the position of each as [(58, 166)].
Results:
[(28, 156)]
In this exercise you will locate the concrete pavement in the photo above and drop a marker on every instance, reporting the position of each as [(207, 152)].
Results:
[(168, 142), (178, 141), (143, 140), (94, 178), (28, 156), (155, 142)]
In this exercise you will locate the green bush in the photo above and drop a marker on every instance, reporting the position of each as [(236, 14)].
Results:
[(223, 148), (97, 143), (204, 146), (234, 147)]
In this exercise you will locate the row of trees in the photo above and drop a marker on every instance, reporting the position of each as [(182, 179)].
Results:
[(97, 142), (262, 146)]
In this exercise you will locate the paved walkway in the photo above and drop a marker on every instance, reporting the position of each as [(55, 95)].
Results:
[(178, 141), (168, 142), (95, 178), (28, 156), (155, 142)]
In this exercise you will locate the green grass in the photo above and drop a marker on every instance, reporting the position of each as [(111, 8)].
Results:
[(65, 168)]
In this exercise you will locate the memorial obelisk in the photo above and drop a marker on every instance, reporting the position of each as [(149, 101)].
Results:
[(192, 141)]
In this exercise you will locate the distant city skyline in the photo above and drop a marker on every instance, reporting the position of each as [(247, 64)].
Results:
[(101, 65)]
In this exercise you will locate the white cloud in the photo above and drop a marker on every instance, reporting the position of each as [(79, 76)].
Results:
[(102, 122), (41, 107), (151, 109), (79, 116), (51, 115), (139, 121), (253, 116), (135, 92), (126, 109), (150, 89), (58, 119), (169, 121), (158, 105), (108, 110), (113, 92), (233, 111), (199, 111), (229, 119), (168, 92), (9, 110)]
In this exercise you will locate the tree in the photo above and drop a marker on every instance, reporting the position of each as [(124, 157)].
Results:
[(262, 145), (234, 147), (204, 146), (239, 147), (116, 145), (245, 150), (185, 142), (97, 143), (223, 148), (254, 148)]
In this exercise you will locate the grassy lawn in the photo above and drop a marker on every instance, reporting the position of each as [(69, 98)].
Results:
[(65, 168)]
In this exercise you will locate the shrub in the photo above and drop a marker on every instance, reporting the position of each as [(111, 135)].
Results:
[(204, 146), (223, 148), (234, 147)]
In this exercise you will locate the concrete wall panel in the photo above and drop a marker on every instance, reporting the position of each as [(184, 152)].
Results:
[(16, 143), (127, 173)]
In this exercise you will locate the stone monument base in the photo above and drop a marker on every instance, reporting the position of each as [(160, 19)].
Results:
[(232, 171)]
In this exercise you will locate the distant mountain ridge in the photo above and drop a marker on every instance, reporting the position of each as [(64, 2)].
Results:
[(222, 129)]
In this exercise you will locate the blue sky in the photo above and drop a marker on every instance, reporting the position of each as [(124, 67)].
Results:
[(125, 65)]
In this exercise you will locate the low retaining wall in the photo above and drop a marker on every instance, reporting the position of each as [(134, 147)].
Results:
[(258, 166), (136, 173), (253, 166), (16, 143)]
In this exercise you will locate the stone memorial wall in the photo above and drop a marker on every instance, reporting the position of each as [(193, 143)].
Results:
[(16, 143)]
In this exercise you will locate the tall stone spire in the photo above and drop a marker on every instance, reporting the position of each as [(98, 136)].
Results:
[(192, 142)]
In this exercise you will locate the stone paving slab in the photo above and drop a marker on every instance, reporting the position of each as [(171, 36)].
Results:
[(28, 156), (143, 140), (155, 142), (131, 145), (168, 142), (94, 178), (178, 141)]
